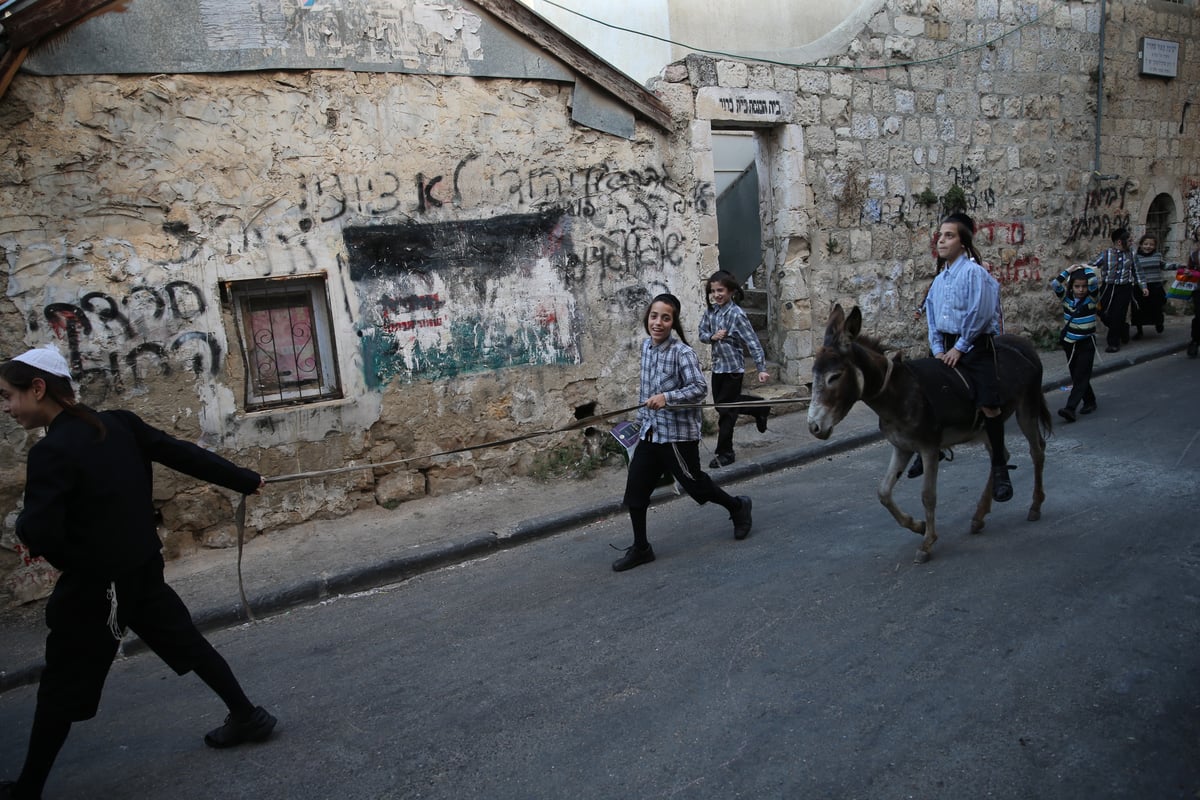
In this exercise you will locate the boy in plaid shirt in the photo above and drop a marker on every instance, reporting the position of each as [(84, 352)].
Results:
[(1118, 275), (726, 327), (669, 437)]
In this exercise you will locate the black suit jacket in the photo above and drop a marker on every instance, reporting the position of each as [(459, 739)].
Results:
[(89, 500)]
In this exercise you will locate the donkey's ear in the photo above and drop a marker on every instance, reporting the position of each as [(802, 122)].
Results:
[(833, 329), (854, 322)]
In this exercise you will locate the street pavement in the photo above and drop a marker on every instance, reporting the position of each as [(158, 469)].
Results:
[(1050, 659), (325, 558)]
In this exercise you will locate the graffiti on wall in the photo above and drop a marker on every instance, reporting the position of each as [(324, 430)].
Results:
[(1191, 199), (148, 331), (969, 181), (1103, 212), (456, 289), (632, 213), (1007, 240), (1015, 264), (442, 299)]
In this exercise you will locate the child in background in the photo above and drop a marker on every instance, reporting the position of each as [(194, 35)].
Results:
[(1148, 310), (1078, 288), (669, 438), (1119, 279), (89, 511), (726, 327)]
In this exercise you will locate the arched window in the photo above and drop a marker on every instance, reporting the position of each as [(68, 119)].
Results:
[(1159, 220)]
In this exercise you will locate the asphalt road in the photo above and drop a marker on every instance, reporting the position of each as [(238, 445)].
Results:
[(1051, 659)]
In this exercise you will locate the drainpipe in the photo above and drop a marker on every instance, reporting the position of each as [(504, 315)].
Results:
[(1100, 90)]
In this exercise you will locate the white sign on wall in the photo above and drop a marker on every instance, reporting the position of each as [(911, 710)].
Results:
[(1159, 57)]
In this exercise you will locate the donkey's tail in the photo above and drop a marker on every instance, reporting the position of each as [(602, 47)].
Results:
[(1045, 420), (1037, 399)]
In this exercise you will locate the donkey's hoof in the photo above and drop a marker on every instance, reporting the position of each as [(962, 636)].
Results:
[(1034, 515), (977, 526), (921, 557)]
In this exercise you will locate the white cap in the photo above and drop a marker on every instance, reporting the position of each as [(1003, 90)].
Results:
[(47, 359)]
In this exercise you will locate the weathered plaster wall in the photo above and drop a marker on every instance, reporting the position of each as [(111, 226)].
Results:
[(1009, 124), (487, 264)]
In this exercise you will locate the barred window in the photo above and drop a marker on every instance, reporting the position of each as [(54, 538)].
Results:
[(287, 340)]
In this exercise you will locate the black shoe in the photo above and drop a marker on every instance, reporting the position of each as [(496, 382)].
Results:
[(255, 728), (741, 518), (1193, 347), (918, 467), (1112, 349), (633, 557), (721, 461), (760, 420), (1087, 408), (1137, 335), (1067, 413), (1002, 490)]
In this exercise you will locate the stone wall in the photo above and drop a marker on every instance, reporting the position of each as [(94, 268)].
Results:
[(486, 264), (984, 104)]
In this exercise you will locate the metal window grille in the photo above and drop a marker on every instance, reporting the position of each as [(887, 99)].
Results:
[(287, 341)]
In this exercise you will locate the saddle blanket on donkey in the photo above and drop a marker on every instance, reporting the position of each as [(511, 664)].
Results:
[(950, 396), (947, 393)]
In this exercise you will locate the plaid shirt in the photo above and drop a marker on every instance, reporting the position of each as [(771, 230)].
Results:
[(1118, 267), (671, 369), (728, 355)]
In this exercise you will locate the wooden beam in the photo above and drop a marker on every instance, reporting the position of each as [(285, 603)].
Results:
[(38, 20), (580, 59), (10, 62)]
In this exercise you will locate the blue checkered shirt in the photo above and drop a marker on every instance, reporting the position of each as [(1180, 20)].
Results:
[(728, 355), (671, 369), (1118, 267), (964, 300)]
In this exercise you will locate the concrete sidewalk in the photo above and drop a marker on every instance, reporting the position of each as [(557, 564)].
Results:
[(370, 548)]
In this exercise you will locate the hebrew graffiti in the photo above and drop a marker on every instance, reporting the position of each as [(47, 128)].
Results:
[(1103, 212), (139, 335)]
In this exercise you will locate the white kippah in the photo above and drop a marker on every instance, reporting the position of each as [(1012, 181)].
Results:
[(47, 359)]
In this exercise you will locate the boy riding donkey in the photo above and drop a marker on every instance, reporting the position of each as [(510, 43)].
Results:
[(962, 311)]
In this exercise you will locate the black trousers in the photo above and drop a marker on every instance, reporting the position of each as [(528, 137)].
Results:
[(1081, 356), (682, 460), (1196, 317), (727, 388), (1114, 312), (979, 367), (80, 648), (1149, 310)]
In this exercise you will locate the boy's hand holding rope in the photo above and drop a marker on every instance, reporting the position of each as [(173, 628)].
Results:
[(655, 402)]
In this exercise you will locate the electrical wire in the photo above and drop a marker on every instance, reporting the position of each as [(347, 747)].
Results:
[(847, 68)]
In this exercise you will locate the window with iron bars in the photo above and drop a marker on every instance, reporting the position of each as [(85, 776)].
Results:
[(286, 339)]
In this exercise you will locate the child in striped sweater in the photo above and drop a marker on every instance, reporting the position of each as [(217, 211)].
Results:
[(1078, 289), (1148, 310)]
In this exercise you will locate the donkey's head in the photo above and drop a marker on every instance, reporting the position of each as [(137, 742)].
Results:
[(837, 383)]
